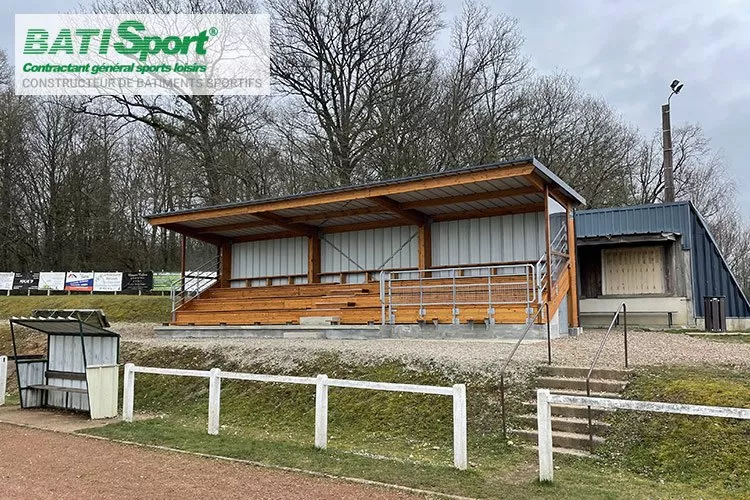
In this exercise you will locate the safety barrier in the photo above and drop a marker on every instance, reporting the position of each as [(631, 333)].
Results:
[(321, 383), (544, 400)]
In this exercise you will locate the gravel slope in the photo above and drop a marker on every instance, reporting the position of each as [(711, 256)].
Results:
[(645, 348)]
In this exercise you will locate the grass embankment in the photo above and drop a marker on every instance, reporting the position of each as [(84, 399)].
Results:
[(699, 451), (118, 308), (394, 438)]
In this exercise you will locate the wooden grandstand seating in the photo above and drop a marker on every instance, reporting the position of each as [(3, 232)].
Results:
[(353, 304)]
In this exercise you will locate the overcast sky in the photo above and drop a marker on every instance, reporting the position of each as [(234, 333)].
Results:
[(627, 51)]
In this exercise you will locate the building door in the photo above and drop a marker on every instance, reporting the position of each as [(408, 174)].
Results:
[(633, 270)]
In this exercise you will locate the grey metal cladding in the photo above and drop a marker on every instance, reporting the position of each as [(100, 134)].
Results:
[(711, 273)]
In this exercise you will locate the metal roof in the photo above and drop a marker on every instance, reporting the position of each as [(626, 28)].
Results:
[(62, 326), (711, 274), (471, 195)]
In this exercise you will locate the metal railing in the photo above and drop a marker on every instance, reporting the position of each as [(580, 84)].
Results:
[(194, 282), (513, 352), (459, 286), (624, 310)]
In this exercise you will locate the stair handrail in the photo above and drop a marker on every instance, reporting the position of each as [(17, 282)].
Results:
[(621, 309), (181, 290), (513, 351)]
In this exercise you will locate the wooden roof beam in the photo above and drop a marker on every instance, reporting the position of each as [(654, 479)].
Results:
[(473, 214), (465, 198), (391, 205), (192, 233), (283, 222), (230, 227)]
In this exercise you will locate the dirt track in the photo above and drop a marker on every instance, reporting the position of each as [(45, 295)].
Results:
[(45, 465)]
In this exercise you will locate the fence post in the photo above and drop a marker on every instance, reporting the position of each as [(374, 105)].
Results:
[(544, 431), (3, 378), (321, 412), (460, 459), (214, 401), (128, 392)]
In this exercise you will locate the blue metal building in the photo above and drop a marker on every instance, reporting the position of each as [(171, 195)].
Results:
[(623, 250)]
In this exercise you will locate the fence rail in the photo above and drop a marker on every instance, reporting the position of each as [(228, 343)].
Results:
[(544, 400), (321, 383)]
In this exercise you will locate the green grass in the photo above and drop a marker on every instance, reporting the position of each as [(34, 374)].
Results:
[(699, 451), (725, 339), (394, 438), (118, 308)]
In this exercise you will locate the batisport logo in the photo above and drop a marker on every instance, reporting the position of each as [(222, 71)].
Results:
[(92, 54), (132, 41)]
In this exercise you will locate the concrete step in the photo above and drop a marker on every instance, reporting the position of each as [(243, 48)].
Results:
[(567, 424), (569, 440), (580, 372), (579, 384), (567, 411)]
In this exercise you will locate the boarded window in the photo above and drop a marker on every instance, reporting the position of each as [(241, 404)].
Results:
[(633, 270)]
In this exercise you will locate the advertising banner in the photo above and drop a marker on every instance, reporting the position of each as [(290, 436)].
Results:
[(6, 281), (142, 54), (26, 281), (163, 281), (137, 281), (52, 281), (79, 281), (107, 282)]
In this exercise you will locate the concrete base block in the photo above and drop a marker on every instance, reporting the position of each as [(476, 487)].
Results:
[(575, 331)]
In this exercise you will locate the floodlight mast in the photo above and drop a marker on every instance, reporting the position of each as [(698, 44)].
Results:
[(666, 127)]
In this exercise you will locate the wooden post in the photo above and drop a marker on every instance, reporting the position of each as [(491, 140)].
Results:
[(3, 378), (214, 401), (460, 456), (313, 259), (424, 246), (548, 239), (544, 434), (128, 392), (321, 412), (183, 247), (573, 269), (225, 271)]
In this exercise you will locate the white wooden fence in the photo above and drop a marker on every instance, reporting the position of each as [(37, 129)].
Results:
[(3, 378), (544, 400), (321, 383)]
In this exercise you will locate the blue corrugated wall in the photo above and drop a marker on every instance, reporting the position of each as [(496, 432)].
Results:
[(711, 274)]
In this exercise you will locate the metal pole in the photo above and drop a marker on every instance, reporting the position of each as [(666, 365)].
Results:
[(591, 432), (183, 253), (625, 325), (667, 150), (502, 405), (549, 334)]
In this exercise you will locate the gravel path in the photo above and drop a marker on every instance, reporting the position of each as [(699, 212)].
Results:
[(645, 348), (47, 465)]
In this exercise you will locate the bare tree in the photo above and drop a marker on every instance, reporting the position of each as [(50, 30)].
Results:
[(338, 58)]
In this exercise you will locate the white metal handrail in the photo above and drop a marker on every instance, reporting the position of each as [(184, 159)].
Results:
[(194, 282), (321, 383), (494, 285)]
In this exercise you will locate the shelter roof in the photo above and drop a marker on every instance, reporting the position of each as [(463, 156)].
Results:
[(509, 187)]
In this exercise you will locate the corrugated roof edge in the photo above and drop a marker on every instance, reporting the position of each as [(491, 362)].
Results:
[(703, 223), (547, 173), (645, 205)]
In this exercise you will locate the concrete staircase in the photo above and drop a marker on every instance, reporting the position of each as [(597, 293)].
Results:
[(570, 433)]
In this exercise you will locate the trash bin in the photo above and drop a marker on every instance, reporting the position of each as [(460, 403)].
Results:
[(715, 313)]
